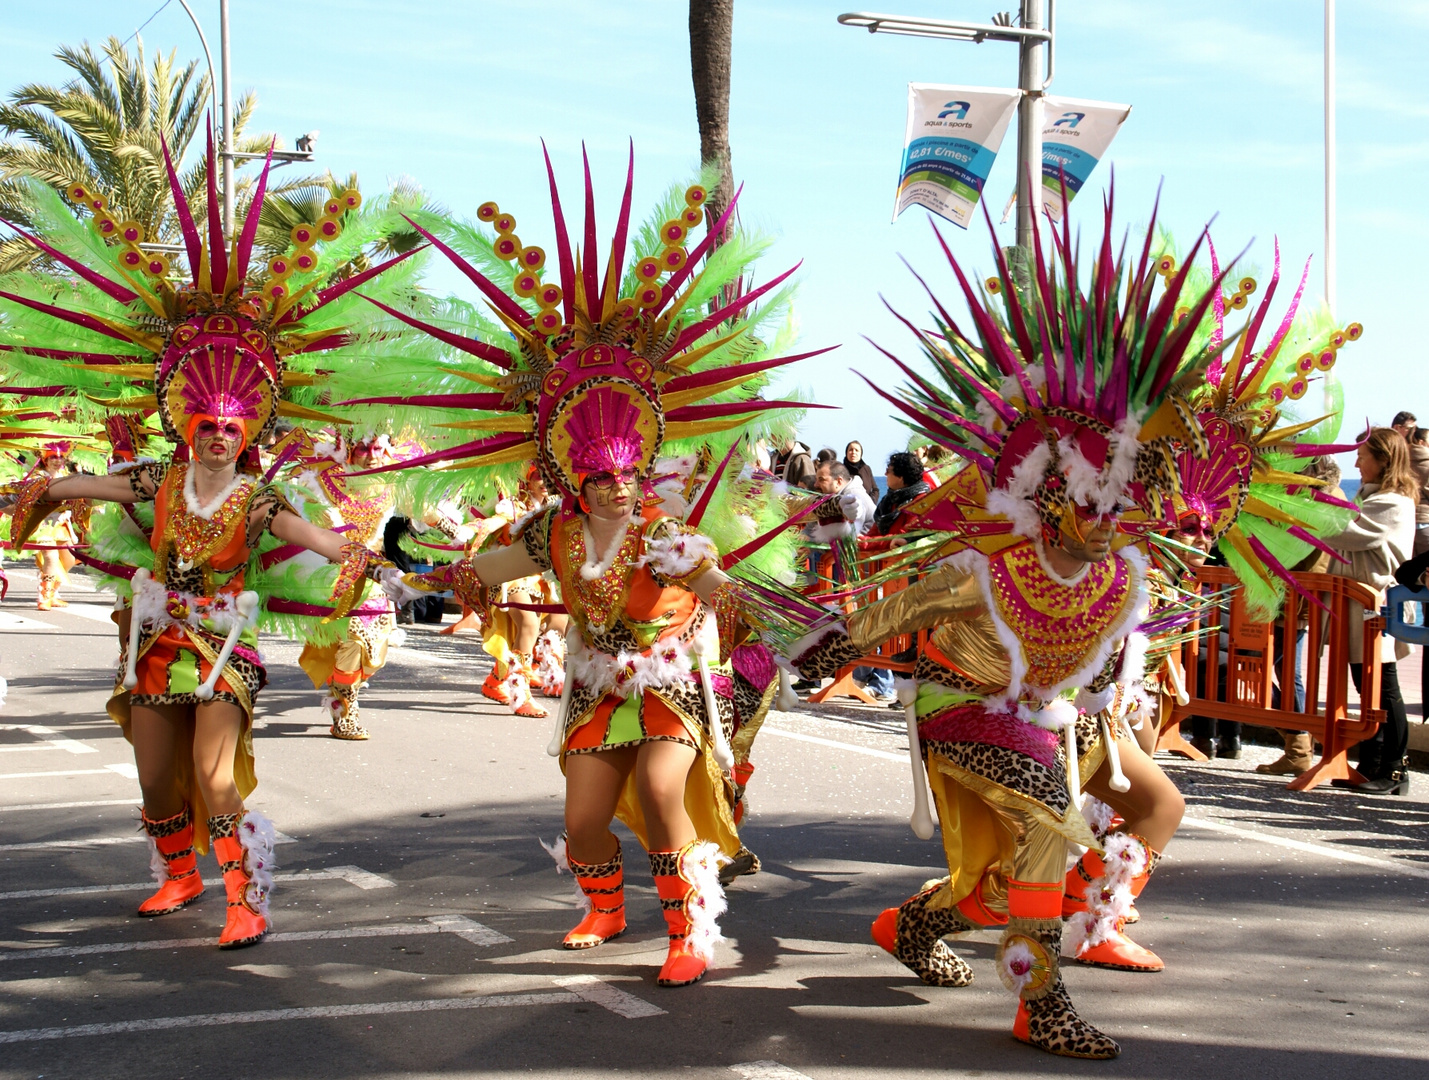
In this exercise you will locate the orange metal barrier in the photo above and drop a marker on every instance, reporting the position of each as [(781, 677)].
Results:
[(882, 657), (1238, 664)]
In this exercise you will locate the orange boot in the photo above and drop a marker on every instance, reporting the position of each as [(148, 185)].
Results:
[(602, 893), (519, 681), (243, 844), (690, 894), (494, 688), (175, 866), (1095, 934)]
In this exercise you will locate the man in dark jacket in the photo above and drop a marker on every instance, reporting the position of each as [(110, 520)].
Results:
[(794, 464)]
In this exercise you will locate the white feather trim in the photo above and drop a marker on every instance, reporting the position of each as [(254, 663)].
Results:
[(191, 494), (158, 865), (1098, 815), (679, 555), (549, 655), (1109, 896), (257, 835), (557, 852), (590, 571), (806, 644), (665, 663), (1017, 967), (699, 865)]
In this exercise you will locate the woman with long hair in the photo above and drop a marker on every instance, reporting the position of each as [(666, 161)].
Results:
[(1376, 543)]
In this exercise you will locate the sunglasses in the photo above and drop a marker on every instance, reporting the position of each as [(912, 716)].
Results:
[(207, 429), (606, 480)]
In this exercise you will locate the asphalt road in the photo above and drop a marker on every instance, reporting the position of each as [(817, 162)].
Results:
[(418, 935)]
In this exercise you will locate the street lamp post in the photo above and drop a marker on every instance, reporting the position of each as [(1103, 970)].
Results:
[(1330, 154), (1036, 43)]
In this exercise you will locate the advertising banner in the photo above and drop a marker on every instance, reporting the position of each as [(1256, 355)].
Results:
[(1075, 136), (953, 136)]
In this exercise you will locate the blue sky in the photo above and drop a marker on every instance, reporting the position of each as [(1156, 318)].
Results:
[(1227, 112)]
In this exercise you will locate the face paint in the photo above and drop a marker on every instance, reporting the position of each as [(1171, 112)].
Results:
[(205, 426)]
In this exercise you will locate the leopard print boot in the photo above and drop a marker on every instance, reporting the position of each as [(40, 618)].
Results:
[(1028, 963), (913, 932)]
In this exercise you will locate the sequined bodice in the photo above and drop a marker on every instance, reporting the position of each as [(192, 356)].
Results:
[(1059, 627)]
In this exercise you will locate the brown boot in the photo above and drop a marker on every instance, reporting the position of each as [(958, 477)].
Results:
[(1298, 757)]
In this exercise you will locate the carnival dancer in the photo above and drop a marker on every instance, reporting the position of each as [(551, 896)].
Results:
[(590, 379), (1247, 496), (54, 538), (218, 358), (1064, 430), (360, 509)]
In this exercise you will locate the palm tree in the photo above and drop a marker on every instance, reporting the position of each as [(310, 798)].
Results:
[(711, 43), (104, 128)]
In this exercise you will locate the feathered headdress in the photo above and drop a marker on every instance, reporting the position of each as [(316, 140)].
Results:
[(596, 370), (1066, 407), (218, 344), (1249, 493)]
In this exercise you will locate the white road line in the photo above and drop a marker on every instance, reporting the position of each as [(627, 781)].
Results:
[(123, 770), (1398, 866), (766, 1070), (353, 875), (320, 1012), (599, 992), (102, 841), (468, 930), (852, 748), (134, 802), (19, 622), (457, 925), (53, 739), (94, 612)]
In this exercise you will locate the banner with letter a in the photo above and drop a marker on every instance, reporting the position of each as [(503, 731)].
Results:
[(1075, 136), (953, 136)]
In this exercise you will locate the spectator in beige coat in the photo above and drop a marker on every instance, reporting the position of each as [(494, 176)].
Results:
[(1376, 543)]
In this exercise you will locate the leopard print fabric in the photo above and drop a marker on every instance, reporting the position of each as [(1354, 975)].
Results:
[(1007, 768), (929, 670), (168, 826), (1052, 1021), (536, 536), (833, 652), (601, 899), (1089, 735), (219, 827), (919, 944), (664, 863)]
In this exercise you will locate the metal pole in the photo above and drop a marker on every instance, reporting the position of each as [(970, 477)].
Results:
[(1330, 154), (212, 76), (1029, 127), (227, 120)]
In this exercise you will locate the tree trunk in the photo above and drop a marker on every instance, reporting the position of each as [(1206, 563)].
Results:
[(711, 34)]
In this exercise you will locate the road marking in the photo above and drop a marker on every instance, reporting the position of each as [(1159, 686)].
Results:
[(1398, 866), (321, 1012), (599, 992), (456, 925), (93, 612), (468, 930), (767, 1070), (19, 622), (353, 875), (123, 770), (104, 841), (53, 740), (852, 748), (71, 805)]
